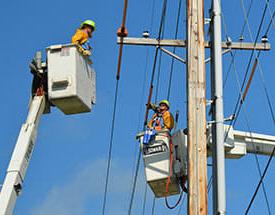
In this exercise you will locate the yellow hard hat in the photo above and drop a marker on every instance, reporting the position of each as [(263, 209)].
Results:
[(165, 102), (89, 23)]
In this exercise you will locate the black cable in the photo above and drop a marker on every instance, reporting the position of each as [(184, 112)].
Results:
[(256, 156), (110, 148), (174, 51), (145, 79), (270, 23), (153, 206), (158, 77), (151, 87), (269, 102), (260, 182), (181, 205), (176, 204), (135, 183), (239, 102), (241, 36), (144, 199), (159, 65), (209, 185), (123, 28)]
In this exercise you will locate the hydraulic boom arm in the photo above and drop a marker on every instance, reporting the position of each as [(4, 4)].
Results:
[(21, 157)]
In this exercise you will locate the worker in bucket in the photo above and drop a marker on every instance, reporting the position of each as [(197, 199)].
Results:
[(162, 119), (82, 35)]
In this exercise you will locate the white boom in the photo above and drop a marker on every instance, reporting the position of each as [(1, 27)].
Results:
[(21, 157), (248, 142), (70, 84)]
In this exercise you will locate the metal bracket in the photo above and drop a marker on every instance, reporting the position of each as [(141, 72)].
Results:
[(209, 102), (172, 55), (230, 118), (223, 52)]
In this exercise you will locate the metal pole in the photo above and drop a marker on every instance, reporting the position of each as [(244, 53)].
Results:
[(219, 196), (197, 167)]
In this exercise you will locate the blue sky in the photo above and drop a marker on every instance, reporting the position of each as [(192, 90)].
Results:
[(67, 171)]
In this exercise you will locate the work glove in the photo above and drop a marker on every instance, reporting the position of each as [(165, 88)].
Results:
[(86, 53), (151, 106)]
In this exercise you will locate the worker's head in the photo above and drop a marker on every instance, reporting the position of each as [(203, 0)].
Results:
[(164, 105), (88, 26)]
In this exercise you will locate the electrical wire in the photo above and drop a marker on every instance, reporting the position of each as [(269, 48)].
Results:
[(174, 51), (158, 78), (145, 79), (153, 206), (250, 78), (210, 182), (123, 29), (149, 100), (270, 13), (250, 131), (181, 205), (110, 149), (144, 198), (260, 182), (239, 102), (241, 36)]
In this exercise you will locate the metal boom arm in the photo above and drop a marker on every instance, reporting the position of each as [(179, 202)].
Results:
[(239, 143), (255, 143), (21, 157)]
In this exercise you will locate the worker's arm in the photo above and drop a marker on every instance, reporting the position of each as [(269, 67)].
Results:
[(168, 120), (79, 38), (150, 124)]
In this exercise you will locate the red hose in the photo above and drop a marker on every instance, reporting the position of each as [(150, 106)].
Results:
[(169, 178)]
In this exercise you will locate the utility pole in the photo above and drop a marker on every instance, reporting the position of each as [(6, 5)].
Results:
[(196, 117), (219, 195)]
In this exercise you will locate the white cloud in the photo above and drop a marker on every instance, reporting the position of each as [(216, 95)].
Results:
[(86, 188)]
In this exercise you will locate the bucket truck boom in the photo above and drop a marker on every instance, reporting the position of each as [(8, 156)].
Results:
[(67, 81), (21, 157)]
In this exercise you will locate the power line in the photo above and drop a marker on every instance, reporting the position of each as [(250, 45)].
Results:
[(174, 51), (153, 206), (144, 199), (123, 30), (163, 14), (145, 79), (243, 96), (110, 148), (249, 128), (260, 182), (158, 77), (240, 37), (270, 13), (239, 102)]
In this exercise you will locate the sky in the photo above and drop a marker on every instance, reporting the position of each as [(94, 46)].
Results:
[(66, 175)]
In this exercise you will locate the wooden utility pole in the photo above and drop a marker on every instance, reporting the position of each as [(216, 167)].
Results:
[(196, 117)]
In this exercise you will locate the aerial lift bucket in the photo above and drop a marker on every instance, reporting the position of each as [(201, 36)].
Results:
[(71, 79), (156, 157)]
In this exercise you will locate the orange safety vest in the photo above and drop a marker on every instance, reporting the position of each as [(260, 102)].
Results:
[(159, 122)]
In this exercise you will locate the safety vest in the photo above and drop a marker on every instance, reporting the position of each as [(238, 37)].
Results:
[(158, 123)]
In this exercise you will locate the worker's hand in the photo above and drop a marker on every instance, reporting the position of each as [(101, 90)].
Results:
[(86, 53), (151, 106)]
